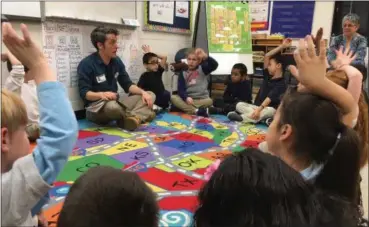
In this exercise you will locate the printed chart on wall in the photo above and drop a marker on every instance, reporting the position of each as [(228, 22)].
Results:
[(63, 48), (259, 13), (229, 29), (66, 44)]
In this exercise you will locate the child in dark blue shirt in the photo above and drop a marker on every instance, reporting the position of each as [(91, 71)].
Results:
[(238, 90), (151, 80), (269, 95)]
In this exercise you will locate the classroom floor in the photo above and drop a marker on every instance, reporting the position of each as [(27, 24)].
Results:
[(170, 154)]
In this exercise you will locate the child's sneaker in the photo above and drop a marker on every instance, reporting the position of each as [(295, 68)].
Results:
[(268, 121), (215, 110), (129, 123), (156, 108), (234, 116), (203, 112)]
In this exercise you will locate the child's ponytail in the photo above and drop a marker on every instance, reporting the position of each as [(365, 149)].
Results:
[(341, 172)]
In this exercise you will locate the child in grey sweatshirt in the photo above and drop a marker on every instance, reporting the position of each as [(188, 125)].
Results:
[(193, 95), (26, 178)]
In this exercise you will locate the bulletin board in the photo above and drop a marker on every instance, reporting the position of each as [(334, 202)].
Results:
[(293, 19), (229, 27), (172, 17)]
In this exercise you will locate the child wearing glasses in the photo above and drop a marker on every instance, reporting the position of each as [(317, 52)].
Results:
[(151, 80)]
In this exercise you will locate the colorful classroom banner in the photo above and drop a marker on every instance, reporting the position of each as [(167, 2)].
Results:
[(294, 19), (229, 28), (259, 13)]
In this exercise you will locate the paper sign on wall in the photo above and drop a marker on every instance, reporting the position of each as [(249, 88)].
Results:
[(162, 12)]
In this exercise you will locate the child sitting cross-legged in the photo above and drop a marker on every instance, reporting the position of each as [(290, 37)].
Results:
[(238, 90), (26, 178), (270, 92), (152, 79), (193, 95), (105, 196)]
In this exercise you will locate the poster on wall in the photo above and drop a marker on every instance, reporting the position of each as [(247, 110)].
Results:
[(182, 9), (259, 13), (229, 29), (162, 12), (293, 19)]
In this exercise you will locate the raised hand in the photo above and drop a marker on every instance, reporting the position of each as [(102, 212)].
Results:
[(312, 68), (287, 43), (146, 48), (201, 54), (344, 58), (24, 49), (4, 57), (28, 53), (317, 38)]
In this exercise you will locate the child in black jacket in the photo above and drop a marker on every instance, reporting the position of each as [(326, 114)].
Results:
[(238, 90)]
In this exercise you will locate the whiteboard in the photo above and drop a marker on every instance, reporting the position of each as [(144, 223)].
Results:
[(227, 60), (110, 12), (25, 9), (66, 44)]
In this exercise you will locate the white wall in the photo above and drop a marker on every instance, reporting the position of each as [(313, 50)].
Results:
[(96, 11)]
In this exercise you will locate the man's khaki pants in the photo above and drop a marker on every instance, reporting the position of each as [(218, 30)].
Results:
[(190, 109), (117, 110)]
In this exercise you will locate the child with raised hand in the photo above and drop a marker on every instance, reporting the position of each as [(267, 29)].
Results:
[(270, 92), (238, 90), (27, 178), (350, 78), (254, 189), (105, 196), (309, 132), (19, 82), (152, 79), (193, 95)]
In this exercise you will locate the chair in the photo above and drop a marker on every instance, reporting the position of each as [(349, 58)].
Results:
[(181, 54)]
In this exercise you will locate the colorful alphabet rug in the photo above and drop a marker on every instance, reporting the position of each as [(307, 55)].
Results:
[(170, 154)]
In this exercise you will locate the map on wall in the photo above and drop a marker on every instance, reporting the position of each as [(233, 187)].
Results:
[(229, 28)]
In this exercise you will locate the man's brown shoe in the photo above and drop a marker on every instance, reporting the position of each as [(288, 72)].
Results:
[(129, 123), (151, 117)]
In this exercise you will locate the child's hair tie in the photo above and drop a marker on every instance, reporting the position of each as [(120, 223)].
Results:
[(211, 169), (331, 151)]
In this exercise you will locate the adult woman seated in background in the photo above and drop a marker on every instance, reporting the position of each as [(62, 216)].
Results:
[(349, 39)]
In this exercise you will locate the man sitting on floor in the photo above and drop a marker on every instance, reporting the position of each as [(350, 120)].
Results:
[(98, 75)]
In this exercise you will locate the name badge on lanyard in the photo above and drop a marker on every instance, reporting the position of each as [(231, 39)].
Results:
[(101, 78)]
